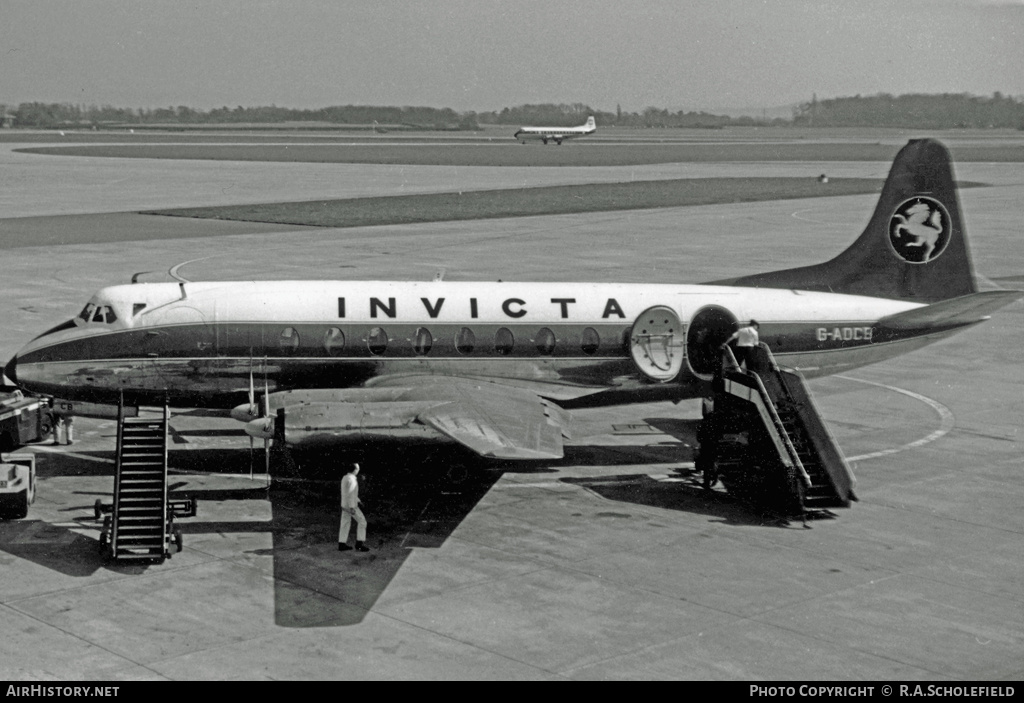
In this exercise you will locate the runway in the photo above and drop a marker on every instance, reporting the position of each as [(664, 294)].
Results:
[(609, 564)]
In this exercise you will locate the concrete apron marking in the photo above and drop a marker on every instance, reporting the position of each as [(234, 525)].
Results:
[(946, 417), (57, 450)]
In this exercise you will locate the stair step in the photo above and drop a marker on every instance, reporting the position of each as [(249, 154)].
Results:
[(140, 505)]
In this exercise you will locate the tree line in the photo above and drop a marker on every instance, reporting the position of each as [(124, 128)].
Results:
[(932, 111), (914, 110)]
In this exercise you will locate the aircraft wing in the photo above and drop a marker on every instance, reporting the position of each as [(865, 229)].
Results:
[(498, 421), (493, 419)]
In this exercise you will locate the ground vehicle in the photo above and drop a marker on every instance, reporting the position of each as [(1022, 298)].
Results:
[(22, 419), (17, 485)]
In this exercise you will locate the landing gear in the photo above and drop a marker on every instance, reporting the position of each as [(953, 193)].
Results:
[(105, 536)]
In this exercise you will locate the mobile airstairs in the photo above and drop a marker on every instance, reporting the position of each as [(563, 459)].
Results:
[(139, 524), (765, 440)]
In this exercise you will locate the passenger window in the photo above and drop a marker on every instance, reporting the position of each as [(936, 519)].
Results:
[(590, 342), (545, 341), (465, 341), (334, 341), (377, 341), (289, 339), (503, 341), (422, 342)]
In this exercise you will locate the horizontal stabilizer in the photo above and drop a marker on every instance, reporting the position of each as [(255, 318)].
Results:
[(964, 310)]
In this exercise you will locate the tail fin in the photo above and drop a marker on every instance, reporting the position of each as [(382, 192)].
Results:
[(914, 247), (590, 123)]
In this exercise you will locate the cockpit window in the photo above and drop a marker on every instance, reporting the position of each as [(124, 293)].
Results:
[(98, 313)]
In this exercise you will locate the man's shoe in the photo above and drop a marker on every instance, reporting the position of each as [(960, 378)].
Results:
[(361, 547), (342, 547)]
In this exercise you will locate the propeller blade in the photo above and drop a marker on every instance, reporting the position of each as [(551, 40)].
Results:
[(252, 392), (270, 420)]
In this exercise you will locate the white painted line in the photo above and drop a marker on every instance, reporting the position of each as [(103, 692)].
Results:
[(945, 414), (58, 450)]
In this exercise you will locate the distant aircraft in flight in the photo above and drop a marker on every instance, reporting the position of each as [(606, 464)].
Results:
[(498, 366), (556, 134)]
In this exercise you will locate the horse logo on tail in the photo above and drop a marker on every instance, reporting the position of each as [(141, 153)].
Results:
[(919, 230)]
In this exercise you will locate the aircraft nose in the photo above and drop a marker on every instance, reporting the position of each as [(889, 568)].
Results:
[(11, 370)]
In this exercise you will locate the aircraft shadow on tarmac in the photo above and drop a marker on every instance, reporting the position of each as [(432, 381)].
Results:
[(414, 499)]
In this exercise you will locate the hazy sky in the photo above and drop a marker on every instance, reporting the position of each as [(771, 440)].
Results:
[(486, 55)]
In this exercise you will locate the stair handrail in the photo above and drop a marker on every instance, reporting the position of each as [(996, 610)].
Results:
[(119, 461), (829, 450), (831, 447), (728, 358), (163, 502), (780, 428)]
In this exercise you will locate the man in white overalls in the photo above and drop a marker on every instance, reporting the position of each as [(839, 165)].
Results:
[(350, 509), (746, 339)]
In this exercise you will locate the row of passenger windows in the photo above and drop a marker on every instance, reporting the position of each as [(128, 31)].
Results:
[(504, 342)]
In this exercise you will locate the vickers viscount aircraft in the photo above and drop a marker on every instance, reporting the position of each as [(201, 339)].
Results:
[(498, 366), (556, 134)]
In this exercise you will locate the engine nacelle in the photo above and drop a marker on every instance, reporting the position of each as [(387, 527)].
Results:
[(310, 424)]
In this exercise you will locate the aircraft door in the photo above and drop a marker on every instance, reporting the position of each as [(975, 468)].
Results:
[(656, 343), (708, 329)]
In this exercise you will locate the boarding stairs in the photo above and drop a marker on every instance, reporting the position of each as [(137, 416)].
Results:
[(773, 447), (140, 523)]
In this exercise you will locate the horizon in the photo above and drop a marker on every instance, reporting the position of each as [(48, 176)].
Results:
[(89, 104)]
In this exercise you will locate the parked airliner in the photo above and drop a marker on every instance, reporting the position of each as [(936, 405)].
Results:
[(499, 366), (556, 134)]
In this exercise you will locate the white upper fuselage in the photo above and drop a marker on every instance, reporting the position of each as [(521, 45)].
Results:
[(383, 302)]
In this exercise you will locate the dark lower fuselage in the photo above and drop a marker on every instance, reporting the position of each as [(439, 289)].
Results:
[(213, 365)]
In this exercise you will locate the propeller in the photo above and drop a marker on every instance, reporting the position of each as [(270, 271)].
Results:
[(249, 411), (261, 425), (270, 422), (257, 418), (252, 399)]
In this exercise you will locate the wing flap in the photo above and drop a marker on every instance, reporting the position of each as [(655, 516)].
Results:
[(500, 422)]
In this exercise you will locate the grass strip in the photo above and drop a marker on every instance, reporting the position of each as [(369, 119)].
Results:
[(526, 202)]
